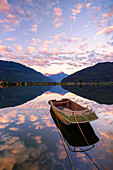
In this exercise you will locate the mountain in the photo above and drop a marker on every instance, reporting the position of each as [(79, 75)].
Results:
[(12, 71), (98, 72), (57, 77)]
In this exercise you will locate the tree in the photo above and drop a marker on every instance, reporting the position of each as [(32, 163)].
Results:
[(81, 81)]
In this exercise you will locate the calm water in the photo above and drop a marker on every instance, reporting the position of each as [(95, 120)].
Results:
[(29, 136)]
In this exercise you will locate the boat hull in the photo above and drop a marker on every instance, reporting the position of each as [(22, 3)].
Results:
[(60, 117), (72, 117)]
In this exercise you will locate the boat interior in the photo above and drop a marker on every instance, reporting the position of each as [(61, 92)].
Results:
[(67, 106)]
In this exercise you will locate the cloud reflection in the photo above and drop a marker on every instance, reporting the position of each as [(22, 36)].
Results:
[(27, 148)]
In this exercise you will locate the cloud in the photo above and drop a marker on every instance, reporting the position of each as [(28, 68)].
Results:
[(102, 19), (46, 43), (8, 27), (70, 40), (88, 4), (76, 10), (13, 19), (10, 39), (108, 135), (56, 37), (18, 48), (33, 118), (4, 6), (4, 49), (109, 14), (38, 139), (58, 20), (106, 30), (96, 11), (57, 11), (30, 49), (35, 41), (82, 46), (21, 119), (61, 151), (34, 28), (12, 15), (58, 24), (51, 53)]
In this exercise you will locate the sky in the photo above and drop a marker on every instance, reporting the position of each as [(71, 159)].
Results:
[(51, 36)]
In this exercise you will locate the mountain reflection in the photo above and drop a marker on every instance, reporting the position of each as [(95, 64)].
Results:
[(10, 97), (98, 93)]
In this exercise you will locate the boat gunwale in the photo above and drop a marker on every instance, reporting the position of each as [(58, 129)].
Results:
[(78, 111), (67, 120)]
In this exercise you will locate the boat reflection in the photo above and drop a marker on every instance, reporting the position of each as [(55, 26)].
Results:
[(74, 137)]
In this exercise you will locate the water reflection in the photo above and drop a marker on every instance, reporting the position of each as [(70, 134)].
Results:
[(78, 137), (29, 138), (98, 93), (14, 96), (72, 133)]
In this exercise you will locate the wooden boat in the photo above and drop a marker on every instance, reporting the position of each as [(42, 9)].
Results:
[(69, 112)]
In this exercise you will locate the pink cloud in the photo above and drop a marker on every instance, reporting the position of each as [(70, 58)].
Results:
[(1, 42), (96, 9), (57, 11), (81, 46), (58, 24), (46, 52), (56, 37), (105, 18), (106, 30), (3, 49), (58, 20), (9, 28), (79, 6), (4, 6), (1, 21), (109, 14), (72, 40), (76, 10), (30, 49), (46, 43), (13, 19), (18, 48), (34, 28), (10, 39), (33, 118), (35, 41), (88, 4)]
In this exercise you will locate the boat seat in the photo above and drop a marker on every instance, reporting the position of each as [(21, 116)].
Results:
[(67, 110), (60, 103)]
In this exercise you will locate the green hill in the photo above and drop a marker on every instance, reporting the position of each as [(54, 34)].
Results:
[(98, 72), (12, 71)]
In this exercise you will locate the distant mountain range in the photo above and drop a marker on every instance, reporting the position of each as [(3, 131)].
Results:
[(99, 72), (12, 71), (56, 77)]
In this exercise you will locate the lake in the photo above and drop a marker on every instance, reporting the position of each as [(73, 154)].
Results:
[(30, 138)]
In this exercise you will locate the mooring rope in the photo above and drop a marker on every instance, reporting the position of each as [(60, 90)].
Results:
[(87, 142), (62, 138)]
